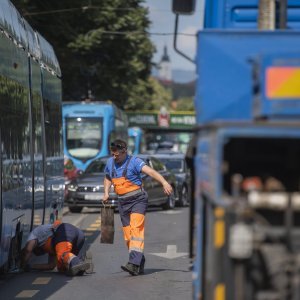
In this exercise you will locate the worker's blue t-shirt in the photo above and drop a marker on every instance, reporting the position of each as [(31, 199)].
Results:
[(134, 169)]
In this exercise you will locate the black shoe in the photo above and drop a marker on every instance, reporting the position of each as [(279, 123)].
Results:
[(142, 265), (131, 269)]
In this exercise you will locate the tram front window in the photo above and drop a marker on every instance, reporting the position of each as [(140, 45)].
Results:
[(84, 137)]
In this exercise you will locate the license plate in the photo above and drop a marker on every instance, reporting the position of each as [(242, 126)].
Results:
[(94, 197)]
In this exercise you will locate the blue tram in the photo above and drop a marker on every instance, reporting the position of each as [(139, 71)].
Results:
[(88, 128), (31, 160)]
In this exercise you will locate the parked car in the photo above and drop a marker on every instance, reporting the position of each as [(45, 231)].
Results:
[(176, 163), (156, 195), (87, 189)]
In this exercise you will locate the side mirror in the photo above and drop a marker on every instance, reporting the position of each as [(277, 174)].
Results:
[(183, 7)]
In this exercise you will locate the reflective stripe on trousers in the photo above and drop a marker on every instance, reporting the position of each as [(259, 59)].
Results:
[(132, 213)]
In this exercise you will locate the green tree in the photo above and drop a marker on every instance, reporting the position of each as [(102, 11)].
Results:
[(149, 95), (103, 47), (185, 104)]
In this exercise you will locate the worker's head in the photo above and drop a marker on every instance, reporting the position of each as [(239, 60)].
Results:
[(118, 150)]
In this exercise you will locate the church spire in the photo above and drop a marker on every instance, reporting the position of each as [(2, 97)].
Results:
[(165, 56), (165, 72)]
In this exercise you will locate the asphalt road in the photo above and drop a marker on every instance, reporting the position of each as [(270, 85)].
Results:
[(167, 274)]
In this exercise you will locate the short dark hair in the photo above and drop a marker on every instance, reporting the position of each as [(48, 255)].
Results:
[(118, 144)]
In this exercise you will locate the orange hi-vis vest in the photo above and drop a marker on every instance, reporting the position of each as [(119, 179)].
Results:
[(122, 185), (48, 245)]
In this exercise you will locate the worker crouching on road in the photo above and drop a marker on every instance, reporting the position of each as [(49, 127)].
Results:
[(124, 173), (62, 242)]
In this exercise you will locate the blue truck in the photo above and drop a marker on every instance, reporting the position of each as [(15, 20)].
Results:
[(246, 209)]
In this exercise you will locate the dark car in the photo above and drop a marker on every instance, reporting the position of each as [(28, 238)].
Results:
[(87, 190), (176, 163)]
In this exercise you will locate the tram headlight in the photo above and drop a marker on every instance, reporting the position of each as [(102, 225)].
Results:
[(72, 187)]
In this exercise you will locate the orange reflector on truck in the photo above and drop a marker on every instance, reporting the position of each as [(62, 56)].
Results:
[(283, 83)]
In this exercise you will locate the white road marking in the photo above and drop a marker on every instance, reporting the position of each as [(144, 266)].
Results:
[(92, 229), (170, 212), (171, 253), (27, 294), (42, 280), (95, 225)]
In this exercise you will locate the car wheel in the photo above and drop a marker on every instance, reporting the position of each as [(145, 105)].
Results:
[(183, 198), (170, 204), (75, 209)]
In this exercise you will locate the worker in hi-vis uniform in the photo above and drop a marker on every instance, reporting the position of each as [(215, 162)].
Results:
[(124, 173), (63, 243)]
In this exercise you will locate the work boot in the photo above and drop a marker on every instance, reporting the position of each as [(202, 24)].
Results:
[(77, 267), (131, 269), (89, 259), (141, 271)]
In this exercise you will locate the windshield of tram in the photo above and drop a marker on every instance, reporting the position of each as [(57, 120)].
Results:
[(84, 137)]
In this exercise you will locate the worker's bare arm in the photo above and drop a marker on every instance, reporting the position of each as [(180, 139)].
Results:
[(107, 184), (27, 252), (151, 172)]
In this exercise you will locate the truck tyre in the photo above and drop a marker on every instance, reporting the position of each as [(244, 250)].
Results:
[(183, 197)]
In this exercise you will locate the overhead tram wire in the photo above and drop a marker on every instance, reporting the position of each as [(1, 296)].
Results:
[(116, 33), (85, 8)]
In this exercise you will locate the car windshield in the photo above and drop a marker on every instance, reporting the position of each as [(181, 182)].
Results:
[(96, 166), (175, 165)]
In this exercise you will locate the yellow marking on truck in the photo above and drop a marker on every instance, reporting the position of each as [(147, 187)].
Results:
[(98, 221), (219, 233), (27, 294), (219, 212), (220, 292), (42, 280), (283, 82)]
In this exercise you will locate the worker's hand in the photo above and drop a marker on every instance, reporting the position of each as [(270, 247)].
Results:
[(167, 188), (105, 197)]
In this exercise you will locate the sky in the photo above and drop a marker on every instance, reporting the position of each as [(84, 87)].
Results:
[(163, 22)]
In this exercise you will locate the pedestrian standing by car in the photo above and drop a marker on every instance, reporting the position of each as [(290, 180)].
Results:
[(124, 173), (62, 242)]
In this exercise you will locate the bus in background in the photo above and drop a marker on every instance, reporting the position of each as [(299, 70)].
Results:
[(88, 128), (136, 140)]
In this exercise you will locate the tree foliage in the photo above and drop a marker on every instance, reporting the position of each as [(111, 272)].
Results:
[(102, 46), (185, 104), (150, 95)]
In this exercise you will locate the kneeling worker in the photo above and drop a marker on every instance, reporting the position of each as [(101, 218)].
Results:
[(62, 242)]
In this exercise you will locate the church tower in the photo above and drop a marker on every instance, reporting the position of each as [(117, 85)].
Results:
[(165, 72)]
